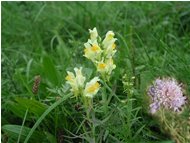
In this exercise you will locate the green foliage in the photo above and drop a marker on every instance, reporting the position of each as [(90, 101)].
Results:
[(46, 39), (19, 107), (14, 130)]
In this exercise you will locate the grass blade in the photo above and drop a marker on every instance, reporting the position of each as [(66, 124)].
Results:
[(22, 126)]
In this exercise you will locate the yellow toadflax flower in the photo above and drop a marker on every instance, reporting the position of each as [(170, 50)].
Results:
[(76, 82), (92, 51), (109, 40), (101, 67), (106, 67), (110, 65), (92, 87), (93, 34)]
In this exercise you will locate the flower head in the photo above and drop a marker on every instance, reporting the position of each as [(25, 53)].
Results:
[(92, 87), (106, 67), (101, 52), (92, 51), (78, 85), (76, 81), (166, 93), (109, 40)]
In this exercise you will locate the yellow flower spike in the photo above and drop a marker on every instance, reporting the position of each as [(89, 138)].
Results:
[(105, 50), (92, 87)]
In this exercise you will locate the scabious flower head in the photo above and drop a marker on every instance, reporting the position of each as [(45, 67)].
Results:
[(166, 93), (92, 87), (76, 81)]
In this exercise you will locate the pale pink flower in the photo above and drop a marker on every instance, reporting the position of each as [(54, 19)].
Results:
[(167, 93)]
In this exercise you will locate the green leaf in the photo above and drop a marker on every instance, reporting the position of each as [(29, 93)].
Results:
[(13, 132), (50, 72), (21, 104), (53, 106)]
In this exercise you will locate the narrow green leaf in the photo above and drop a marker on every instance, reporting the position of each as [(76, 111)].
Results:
[(50, 71), (21, 104), (22, 126), (53, 106), (13, 132)]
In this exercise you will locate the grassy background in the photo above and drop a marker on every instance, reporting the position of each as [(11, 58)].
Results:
[(46, 38)]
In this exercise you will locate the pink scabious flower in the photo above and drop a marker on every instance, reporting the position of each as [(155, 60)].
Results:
[(166, 93)]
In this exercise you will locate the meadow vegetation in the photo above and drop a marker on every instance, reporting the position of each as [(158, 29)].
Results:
[(41, 41)]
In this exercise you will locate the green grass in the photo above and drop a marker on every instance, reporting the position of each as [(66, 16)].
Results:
[(46, 39)]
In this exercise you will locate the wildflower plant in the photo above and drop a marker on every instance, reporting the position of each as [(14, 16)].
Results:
[(167, 93), (167, 99), (101, 52)]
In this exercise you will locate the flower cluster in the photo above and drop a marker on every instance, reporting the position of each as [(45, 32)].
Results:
[(101, 52), (77, 83), (166, 93)]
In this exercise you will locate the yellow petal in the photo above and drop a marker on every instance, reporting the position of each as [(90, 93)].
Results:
[(101, 65), (95, 48), (113, 46), (93, 88), (68, 78)]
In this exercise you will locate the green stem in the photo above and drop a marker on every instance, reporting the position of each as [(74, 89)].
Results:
[(90, 115), (93, 124)]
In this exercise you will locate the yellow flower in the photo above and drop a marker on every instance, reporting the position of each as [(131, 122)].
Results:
[(110, 51), (76, 82), (93, 34), (110, 66), (105, 50), (92, 52), (110, 35), (92, 87), (109, 40), (113, 46), (101, 67), (80, 79), (106, 67)]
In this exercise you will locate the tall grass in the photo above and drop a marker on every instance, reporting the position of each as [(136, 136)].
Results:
[(46, 39)]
